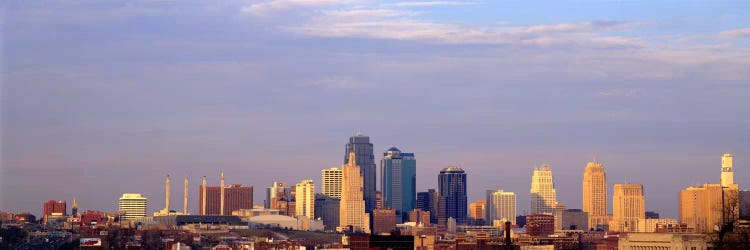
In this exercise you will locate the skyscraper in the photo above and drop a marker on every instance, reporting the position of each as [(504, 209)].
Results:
[(476, 209), (399, 182), (305, 199), (727, 173), (428, 201), (362, 148), (275, 193), (352, 206), (543, 194), (595, 194), (501, 206), (701, 206), (629, 206), (132, 206), (452, 195), (330, 182)]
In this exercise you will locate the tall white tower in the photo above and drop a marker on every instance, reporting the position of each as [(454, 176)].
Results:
[(167, 183), (543, 193), (727, 174)]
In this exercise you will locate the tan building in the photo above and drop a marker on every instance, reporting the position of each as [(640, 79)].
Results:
[(701, 206), (595, 194), (330, 182), (384, 221), (305, 199), (650, 225), (663, 241), (352, 205), (500, 207), (476, 209), (629, 206)]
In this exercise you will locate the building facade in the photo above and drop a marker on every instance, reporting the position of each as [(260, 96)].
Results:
[(477, 209), (330, 182), (352, 206), (540, 224), (575, 219), (327, 209), (305, 199), (501, 207), (595, 194), (277, 192), (132, 206), (663, 241), (452, 200), (383, 221), (428, 201), (363, 149), (705, 207), (629, 206), (399, 182), (235, 197), (543, 193)]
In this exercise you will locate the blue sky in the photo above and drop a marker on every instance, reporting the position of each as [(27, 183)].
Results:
[(102, 98)]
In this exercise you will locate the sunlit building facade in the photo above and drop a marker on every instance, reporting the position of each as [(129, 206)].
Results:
[(595, 194)]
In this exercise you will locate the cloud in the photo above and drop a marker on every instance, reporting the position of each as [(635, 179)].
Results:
[(337, 82), (432, 3), (280, 5), (632, 92), (736, 33)]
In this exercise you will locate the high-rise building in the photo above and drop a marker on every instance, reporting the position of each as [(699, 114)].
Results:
[(383, 221), (305, 199), (543, 193), (352, 207), (327, 209), (540, 224), (419, 216), (330, 182), (132, 206), (476, 209), (399, 182), (452, 195), (428, 201), (74, 210), (279, 191), (575, 219), (363, 149), (501, 207), (54, 207), (595, 194), (629, 206), (223, 200), (727, 173)]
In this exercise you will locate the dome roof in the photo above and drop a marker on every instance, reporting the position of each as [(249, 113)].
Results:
[(394, 149), (272, 219), (452, 169)]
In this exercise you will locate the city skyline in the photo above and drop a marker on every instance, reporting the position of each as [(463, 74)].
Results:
[(97, 96)]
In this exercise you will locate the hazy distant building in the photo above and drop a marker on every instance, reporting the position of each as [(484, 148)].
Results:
[(476, 209), (595, 195), (235, 197), (452, 195), (275, 193), (399, 182), (501, 206), (327, 209), (132, 206), (352, 207), (305, 199), (575, 219), (543, 193), (383, 221), (629, 206), (428, 201), (330, 182), (363, 149)]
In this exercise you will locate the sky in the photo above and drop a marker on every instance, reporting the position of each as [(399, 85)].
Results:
[(101, 98)]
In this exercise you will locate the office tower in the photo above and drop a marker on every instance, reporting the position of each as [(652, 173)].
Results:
[(330, 182), (428, 201), (223, 200), (501, 207), (74, 210), (132, 206), (54, 207), (378, 200), (543, 194), (652, 215), (595, 194), (476, 210), (185, 197), (700, 206), (275, 193), (352, 207), (362, 148), (452, 195), (399, 182), (575, 219), (727, 174), (305, 199), (628, 207), (383, 221), (559, 210), (419, 216), (327, 209), (540, 224)]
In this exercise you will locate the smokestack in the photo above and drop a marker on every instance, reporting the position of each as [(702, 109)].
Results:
[(167, 189), (203, 200), (185, 194), (222, 193), (508, 242)]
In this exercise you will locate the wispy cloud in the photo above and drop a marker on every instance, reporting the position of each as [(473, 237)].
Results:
[(432, 3), (736, 33), (266, 7)]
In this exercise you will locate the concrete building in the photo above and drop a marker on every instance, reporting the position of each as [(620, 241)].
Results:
[(543, 193), (352, 207), (540, 224), (419, 216), (399, 182), (248, 213), (222, 199), (132, 206), (629, 206), (54, 207), (330, 182), (575, 219), (452, 195), (365, 160), (477, 209), (428, 201), (663, 241), (595, 195), (327, 209), (704, 207), (305, 199), (727, 171), (501, 206), (650, 225), (383, 221)]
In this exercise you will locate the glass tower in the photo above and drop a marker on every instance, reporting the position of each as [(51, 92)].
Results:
[(452, 195), (399, 182), (365, 159)]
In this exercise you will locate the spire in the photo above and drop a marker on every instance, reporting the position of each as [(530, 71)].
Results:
[(221, 211), (203, 198), (167, 184), (185, 194)]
